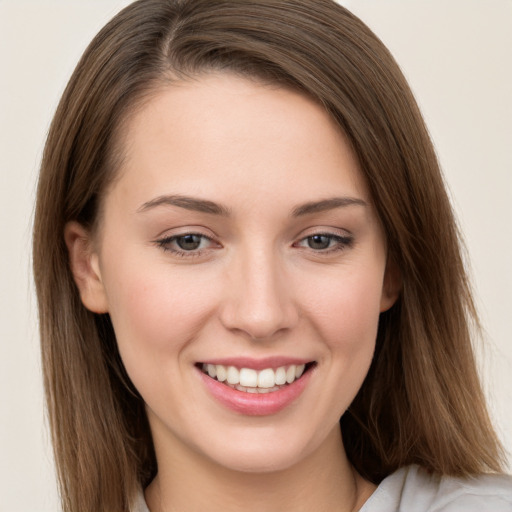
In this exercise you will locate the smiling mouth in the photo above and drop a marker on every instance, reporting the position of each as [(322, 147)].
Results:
[(249, 380)]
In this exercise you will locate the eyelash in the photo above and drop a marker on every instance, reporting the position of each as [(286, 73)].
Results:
[(341, 243), (165, 245)]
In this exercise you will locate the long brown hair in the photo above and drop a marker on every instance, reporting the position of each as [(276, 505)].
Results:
[(421, 401)]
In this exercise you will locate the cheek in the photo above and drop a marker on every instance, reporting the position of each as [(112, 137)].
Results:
[(347, 311), (155, 313), (345, 316), (352, 336)]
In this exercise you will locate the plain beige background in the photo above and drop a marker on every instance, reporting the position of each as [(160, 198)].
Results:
[(457, 55)]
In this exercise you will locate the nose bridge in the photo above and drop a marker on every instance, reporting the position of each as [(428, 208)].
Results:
[(259, 303)]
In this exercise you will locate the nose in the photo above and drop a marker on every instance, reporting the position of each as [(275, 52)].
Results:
[(258, 297)]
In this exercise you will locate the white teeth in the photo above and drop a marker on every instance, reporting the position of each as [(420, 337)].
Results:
[(290, 374), (233, 375), (212, 371), (267, 378), (253, 381), (280, 376), (222, 374), (248, 377)]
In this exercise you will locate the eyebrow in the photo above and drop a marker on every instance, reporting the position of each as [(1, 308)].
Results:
[(186, 202), (327, 204), (206, 206)]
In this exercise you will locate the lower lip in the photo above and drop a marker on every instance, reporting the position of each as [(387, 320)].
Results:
[(255, 404)]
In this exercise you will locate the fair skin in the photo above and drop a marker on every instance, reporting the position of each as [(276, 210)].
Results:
[(240, 232)]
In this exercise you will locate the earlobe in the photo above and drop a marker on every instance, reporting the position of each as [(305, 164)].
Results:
[(392, 285), (85, 267)]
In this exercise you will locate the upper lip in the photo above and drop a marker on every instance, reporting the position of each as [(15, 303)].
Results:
[(258, 364)]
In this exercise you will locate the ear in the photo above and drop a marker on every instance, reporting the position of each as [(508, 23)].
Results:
[(85, 268), (392, 285)]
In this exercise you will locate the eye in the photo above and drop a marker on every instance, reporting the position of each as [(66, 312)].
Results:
[(325, 242), (187, 244), (319, 242)]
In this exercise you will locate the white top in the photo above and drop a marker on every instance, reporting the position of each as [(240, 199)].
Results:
[(411, 489)]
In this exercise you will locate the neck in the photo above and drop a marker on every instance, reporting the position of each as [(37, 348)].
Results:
[(323, 481)]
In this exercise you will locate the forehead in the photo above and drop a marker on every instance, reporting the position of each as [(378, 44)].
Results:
[(225, 135)]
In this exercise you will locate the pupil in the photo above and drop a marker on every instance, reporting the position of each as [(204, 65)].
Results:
[(319, 241), (189, 242)]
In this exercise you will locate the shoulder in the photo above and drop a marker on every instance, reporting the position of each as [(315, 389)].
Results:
[(411, 489)]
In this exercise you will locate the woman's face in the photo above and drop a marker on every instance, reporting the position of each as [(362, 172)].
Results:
[(240, 235)]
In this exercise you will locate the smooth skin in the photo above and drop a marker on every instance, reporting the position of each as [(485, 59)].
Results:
[(240, 225)]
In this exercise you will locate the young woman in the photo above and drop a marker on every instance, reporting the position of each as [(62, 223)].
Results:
[(250, 285)]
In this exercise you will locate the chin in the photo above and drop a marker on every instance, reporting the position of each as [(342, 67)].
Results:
[(260, 454), (258, 461)]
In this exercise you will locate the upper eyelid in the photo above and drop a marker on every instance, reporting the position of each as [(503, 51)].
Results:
[(337, 236), (184, 231), (181, 235), (323, 230)]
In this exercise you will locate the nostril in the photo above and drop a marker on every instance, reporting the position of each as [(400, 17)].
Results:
[(260, 309)]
